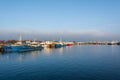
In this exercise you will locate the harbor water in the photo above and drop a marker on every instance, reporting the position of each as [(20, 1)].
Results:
[(79, 62)]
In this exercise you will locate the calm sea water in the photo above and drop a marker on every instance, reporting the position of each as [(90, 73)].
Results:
[(84, 62)]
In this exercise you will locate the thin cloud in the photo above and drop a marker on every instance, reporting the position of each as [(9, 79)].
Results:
[(72, 35)]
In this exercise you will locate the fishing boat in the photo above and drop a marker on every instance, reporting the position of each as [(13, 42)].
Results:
[(64, 45), (58, 45), (36, 45), (15, 48), (49, 44), (69, 44), (6, 48), (18, 46), (43, 44)]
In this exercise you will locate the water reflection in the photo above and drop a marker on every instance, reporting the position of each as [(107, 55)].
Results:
[(66, 63), (31, 54), (60, 50), (51, 50), (48, 50), (18, 55)]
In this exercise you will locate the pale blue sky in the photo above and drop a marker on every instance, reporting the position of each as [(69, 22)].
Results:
[(52, 19)]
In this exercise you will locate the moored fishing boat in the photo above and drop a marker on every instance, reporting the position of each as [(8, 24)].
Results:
[(69, 44), (36, 45), (58, 45), (43, 44), (21, 48), (18, 46), (64, 45), (6, 48)]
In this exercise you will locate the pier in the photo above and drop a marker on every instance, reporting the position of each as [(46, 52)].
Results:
[(100, 43)]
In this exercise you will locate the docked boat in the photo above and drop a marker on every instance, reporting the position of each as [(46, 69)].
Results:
[(36, 45), (69, 44), (114, 43), (6, 48), (58, 45), (18, 47), (43, 44), (64, 45)]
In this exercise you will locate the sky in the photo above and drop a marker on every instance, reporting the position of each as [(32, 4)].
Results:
[(73, 20)]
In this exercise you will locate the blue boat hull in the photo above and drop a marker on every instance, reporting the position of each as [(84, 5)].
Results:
[(58, 45), (20, 48), (6, 48), (38, 48)]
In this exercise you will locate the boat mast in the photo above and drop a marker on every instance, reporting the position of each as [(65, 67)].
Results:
[(20, 40)]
